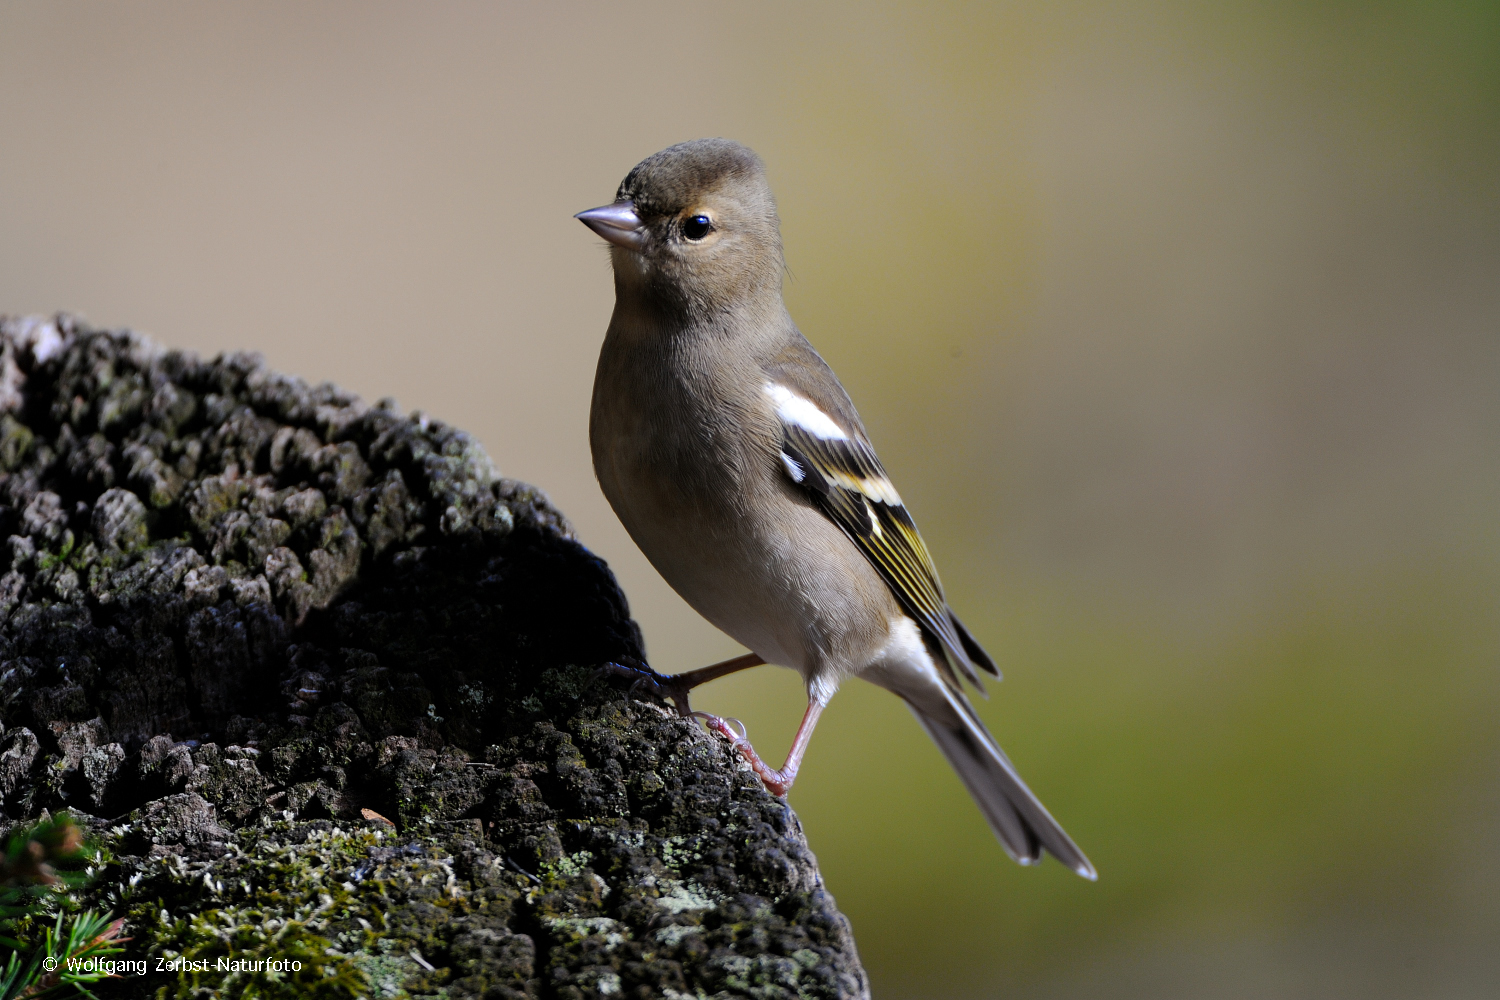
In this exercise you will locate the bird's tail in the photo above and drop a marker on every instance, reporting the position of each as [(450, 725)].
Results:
[(1022, 823)]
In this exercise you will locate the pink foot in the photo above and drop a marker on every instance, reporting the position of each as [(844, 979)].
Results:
[(776, 782)]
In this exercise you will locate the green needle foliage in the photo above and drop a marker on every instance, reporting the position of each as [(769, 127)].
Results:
[(40, 865)]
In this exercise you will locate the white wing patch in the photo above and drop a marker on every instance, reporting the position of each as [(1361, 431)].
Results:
[(793, 468), (804, 413)]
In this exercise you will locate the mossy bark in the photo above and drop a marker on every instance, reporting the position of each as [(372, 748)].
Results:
[(326, 686)]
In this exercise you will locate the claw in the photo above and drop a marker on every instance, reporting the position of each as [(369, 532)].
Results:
[(712, 723), (720, 725), (612, 670)]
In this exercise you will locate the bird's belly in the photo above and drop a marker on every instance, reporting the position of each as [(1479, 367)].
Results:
[(792, 587)]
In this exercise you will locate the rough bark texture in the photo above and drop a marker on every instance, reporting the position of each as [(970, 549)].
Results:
[(326, 686)]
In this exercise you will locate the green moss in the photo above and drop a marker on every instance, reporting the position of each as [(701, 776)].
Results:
[(249, 952), (15, 442)]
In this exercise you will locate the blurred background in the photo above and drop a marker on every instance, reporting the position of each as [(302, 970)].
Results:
[(1177, 325)]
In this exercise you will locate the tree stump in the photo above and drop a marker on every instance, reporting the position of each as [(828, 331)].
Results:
[(327, 689)]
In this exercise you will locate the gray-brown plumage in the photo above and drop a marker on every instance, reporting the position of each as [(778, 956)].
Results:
[(738, 464)]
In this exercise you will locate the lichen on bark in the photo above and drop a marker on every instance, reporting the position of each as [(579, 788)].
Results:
[(326, 688)]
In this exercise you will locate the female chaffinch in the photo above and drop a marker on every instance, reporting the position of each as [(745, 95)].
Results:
[(738, 464)]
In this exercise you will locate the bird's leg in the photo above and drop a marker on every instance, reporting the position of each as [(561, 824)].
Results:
[(677, 686), (776, 782)]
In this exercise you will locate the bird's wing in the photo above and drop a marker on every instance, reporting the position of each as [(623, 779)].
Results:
[(838, 468)]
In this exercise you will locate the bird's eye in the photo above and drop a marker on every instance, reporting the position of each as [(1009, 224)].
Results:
[(696, 227)]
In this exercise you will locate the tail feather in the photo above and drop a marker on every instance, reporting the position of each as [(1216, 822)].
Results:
[(1015, 836), (976, 652), (1020, 821)]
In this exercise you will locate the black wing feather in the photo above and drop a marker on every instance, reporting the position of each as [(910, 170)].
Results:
[(976, 652), (846, 479)]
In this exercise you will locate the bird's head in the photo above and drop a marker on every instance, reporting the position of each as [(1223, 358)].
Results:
[(694, 227)]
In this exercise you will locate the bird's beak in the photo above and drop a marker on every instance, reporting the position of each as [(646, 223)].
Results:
[(617, 223)]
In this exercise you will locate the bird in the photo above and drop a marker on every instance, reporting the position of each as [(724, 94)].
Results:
[(736, 461)]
